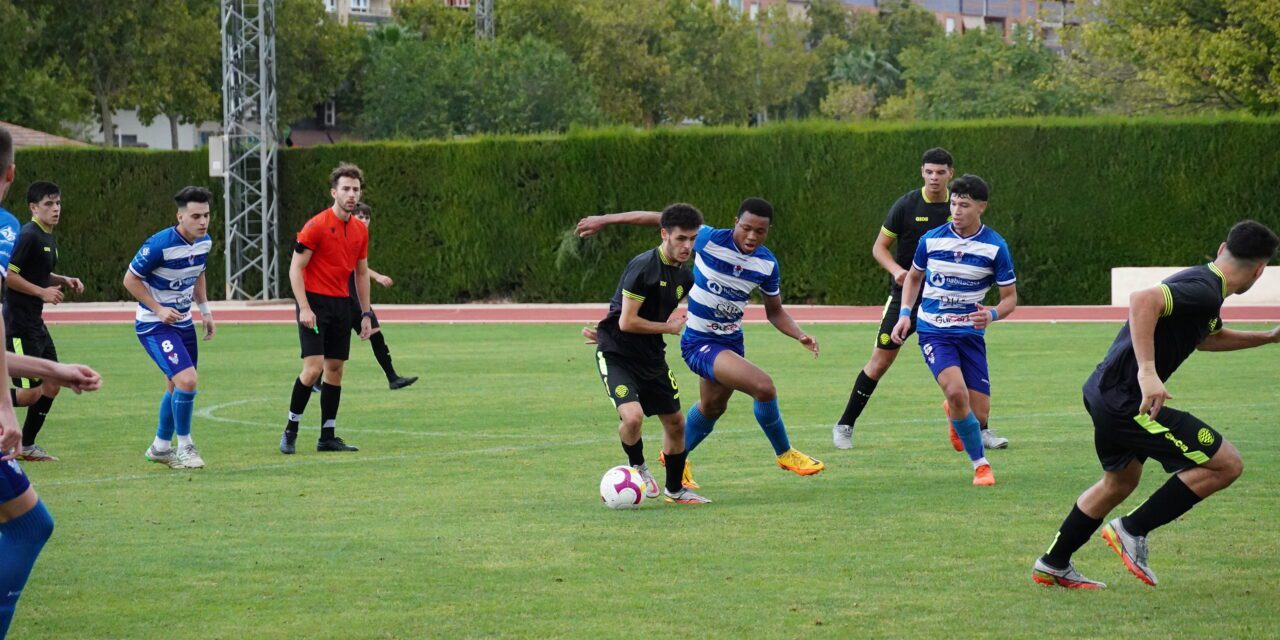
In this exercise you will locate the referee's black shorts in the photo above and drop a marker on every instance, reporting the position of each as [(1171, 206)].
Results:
[(884, 337), (1176, 438), (35, 342), (331, 336)]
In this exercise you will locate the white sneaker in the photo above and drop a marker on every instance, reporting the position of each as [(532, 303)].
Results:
[(651, 489), (189, 457), (992, 441), (842, 436), (167, 457)]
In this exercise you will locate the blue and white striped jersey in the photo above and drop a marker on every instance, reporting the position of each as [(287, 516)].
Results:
[(958, 272), (723, 279), (169, 266), (9, 229)]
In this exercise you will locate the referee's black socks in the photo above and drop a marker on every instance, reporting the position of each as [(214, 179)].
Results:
[(858, 398), (297, 404), (330, 396)]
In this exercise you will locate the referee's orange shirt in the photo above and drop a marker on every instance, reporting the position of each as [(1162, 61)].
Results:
[(336, 247)]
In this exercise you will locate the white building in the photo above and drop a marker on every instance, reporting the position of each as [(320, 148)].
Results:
[(130, 132)]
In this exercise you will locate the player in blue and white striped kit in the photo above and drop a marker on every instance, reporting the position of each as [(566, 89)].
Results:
[(166, 276), (730, 264), (958, 264)]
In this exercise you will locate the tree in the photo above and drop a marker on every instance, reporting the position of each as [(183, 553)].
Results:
[(866, 67), (624, 57), (981, 75), (105, 45), (183, 83), (434, 20), (422, 89), (784, 62), (711, 51), (1210, 54), (314, 57), (39, 90)]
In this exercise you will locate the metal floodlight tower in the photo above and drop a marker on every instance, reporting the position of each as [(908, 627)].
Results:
[(249, 127), (484, 19)]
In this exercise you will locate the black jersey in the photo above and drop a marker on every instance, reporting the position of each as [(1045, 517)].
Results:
[(911, 217), (659, 285), (1192, 305), (34, 258)]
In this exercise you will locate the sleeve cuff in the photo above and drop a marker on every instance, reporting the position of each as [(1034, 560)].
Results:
[(1168, 300), (887, 232), (633, 296)]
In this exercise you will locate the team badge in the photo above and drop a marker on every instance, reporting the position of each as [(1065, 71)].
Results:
[(679, 291), (1205, 437), (173, 357), (737, 270), (884, 338), (958, 255), (620, 391)]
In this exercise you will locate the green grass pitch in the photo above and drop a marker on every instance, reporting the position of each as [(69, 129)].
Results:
[(472, 508)]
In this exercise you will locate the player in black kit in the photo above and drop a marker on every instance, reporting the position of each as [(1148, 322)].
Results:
[(1126, 396), (631, 354), (31, 284)]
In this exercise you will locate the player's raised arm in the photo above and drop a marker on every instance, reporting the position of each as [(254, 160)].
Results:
[(1145, 308), (592, 225)]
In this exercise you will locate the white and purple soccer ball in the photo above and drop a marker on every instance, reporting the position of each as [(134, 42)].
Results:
[(622, 488)]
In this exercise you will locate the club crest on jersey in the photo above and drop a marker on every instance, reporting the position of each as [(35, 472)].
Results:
[(173, 357), (737, 270), (958, 255)]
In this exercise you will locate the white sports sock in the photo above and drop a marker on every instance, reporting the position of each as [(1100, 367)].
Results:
[(976, 463), (160, 445), (184, 441)]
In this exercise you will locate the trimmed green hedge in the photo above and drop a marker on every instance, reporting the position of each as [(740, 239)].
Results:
[(486, 219)]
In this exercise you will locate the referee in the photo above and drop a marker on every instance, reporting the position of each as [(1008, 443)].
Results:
[(331, 247)]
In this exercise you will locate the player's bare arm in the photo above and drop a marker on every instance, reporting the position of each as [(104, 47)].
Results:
[(784, 323), (10, 432), (1232, 340), (1008, 302), (910, 291), (880, 251), (1145, 307), (69, 282), (631, 322), (382, 279), (591, 225), (202, 302), (362, 294), (77, 377), (298, 282), (138, 289), (51, 294)]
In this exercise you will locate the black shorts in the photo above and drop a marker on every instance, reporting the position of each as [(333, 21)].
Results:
[(331, 336), (35, 343), (356, 317), (1176, 438), (884, 338), (627, 380)]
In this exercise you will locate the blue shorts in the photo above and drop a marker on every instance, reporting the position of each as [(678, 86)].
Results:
[(13, 482), (700, 355), (173, 349), (965, 350)]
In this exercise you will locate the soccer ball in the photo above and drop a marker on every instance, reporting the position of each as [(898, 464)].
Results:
[(622, 488)]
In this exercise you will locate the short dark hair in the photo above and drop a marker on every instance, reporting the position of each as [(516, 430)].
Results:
[(681, 216), (192, 194), (1252, 241), (936, 155), (6, 149), (756, 206), (41, 189), (362, 209), (345, 170), (970, 185)]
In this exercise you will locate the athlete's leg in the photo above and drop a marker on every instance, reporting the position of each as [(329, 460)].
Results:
[(1089, 512), (740, 374), (25, 526), (959, 410), (630, 418), (330, 399), (713, 400)]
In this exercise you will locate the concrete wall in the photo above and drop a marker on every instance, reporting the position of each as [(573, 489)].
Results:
[(1126, 280)]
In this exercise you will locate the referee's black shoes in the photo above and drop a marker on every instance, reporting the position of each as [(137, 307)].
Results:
[(402, 381), (334, 444)]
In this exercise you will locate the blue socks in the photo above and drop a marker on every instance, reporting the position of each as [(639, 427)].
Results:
[(184, 404), (770, 420), (164, 431), (696, 428), (970, 433), (21, 540)]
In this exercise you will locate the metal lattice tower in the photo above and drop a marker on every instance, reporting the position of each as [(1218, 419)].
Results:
[(484, 19), (249, 125)]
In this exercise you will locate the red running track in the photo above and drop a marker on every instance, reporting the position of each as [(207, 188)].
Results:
[(587, 313)]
